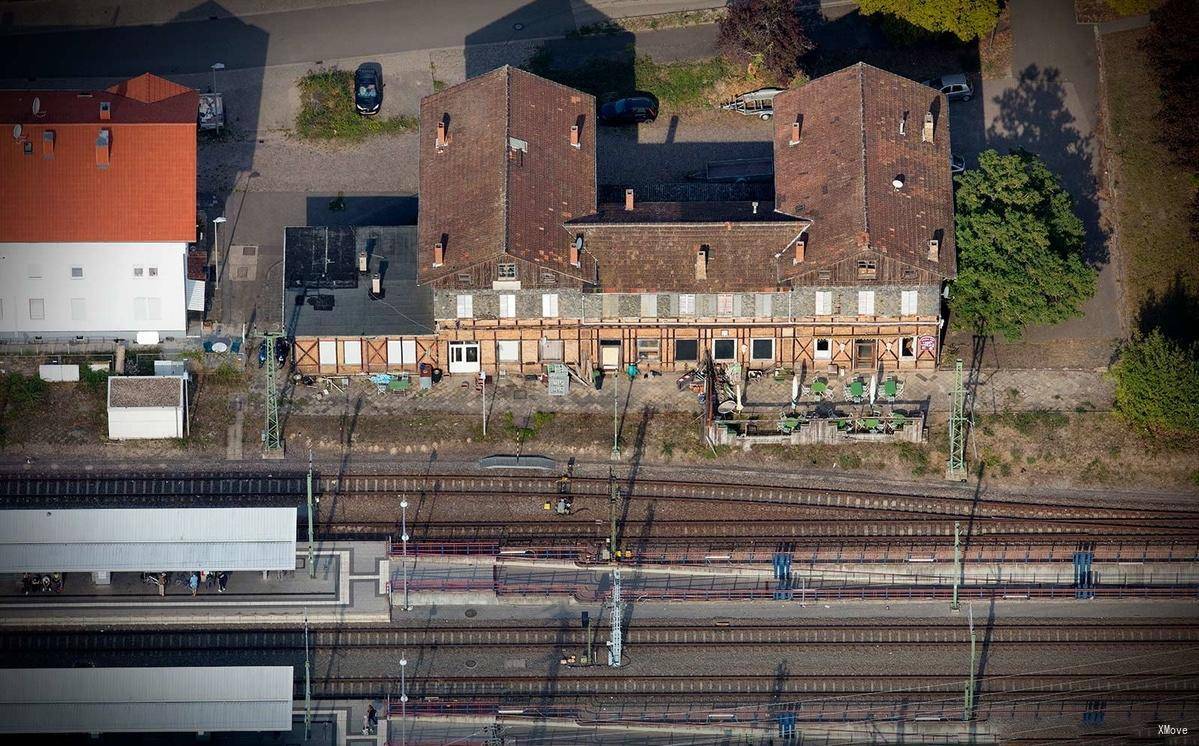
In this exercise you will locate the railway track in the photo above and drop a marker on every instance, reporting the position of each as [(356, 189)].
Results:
[(730, 633), (289, 488), (772, 530), (570, 683)]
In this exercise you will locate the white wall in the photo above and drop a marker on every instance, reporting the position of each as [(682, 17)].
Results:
[(109, 300), (125, 423)]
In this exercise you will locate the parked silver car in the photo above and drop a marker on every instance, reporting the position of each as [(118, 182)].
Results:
[(955, 87)]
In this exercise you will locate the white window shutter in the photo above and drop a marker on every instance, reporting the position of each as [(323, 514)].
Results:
[(865, 302), (549, 305), (466, 306)]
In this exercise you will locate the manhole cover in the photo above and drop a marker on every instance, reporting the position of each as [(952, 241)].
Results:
[(471, 613), (471, 664), (518, 26)]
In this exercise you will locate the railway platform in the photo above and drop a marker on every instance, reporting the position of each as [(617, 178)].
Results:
[(350, 586)]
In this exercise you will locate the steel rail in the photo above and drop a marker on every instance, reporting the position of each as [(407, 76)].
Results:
[(728, 633)]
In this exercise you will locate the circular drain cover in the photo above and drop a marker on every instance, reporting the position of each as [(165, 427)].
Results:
[(471, 663), (471, 613)]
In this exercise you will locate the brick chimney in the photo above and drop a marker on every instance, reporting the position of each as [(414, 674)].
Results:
[(701, 262), (443, 135), (103, 149), (438, 254), (801, 247), (796, 127), (575, 141), (576, 251), (105, 111), (927, 134), (934, 250), (628, 199)]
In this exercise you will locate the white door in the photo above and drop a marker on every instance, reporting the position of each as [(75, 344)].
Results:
[(464, 357), (610, 355)]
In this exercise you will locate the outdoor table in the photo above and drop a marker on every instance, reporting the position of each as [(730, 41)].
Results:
[(856, 388), (819, 386), (891, 388), (871, 423)]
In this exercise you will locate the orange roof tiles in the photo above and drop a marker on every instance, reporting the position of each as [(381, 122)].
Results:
[(54, 188)]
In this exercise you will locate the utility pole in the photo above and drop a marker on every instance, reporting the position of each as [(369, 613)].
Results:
[(956, 468), (307, 684), (311, 538), (616, 415), (957, 562), (614, 641), (404, 550), (483, 388), (216, 241), (968, 705), (403, 703), (613, 509), (272, 439)]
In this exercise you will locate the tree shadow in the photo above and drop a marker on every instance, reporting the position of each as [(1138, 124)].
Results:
[(1033, 116), (1173, 312)]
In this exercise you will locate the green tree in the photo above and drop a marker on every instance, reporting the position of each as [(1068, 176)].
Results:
[(965, 19), (1019, 247), (766, 33), (1157, 384)]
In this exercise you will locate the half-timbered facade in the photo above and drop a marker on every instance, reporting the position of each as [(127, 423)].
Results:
[(845, 268)]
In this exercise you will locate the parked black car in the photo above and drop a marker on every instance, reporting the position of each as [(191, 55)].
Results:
[(632, 109), (282, 350), (368, 88)]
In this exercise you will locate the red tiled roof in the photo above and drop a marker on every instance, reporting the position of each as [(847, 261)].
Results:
[(486, 197), (850, 150), (59, 193), (653, 247)]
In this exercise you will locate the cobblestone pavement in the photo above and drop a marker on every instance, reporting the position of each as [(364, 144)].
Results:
[(997, 390)]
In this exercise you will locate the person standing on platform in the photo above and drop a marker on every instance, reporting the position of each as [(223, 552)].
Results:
[(222, 580), (162, 584), (194, 582)]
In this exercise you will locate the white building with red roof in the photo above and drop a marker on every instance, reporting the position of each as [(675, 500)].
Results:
[(98, 190)]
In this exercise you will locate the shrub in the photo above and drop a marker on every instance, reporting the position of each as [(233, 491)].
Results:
[(1157, 385), (767, 34)]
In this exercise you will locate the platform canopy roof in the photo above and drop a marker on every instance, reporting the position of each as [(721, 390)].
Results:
[(128, 700), (147, 539)]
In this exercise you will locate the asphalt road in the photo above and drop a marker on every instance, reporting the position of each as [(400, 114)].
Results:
[(305, 35)]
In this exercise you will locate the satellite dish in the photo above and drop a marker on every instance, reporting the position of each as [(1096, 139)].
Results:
[(897, 182), (37, 106), (16, 132)]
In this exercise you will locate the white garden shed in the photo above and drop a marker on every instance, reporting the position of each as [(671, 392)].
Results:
[(146, 407)]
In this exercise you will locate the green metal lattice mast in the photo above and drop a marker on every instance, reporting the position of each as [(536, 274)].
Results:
[(272, 439), (956, 468)]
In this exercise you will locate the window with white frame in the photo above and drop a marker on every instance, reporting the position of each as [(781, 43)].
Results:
[(686, 304), (823, 348), (865, 302), (649, 305), (139, 271), (724, 350), (724, 304), (907, 303), (37, 309), (466, 306), (76, 273), (762, 350), (508, 350), (507, 271), (764, 305), (152, 271), (824, 303), (326, 352), (649, 349), (351, 351), (78, 309), (507, 306), (549, 305)]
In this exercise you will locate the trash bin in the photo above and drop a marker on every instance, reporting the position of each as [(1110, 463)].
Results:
[(597, 378), (437, 375)]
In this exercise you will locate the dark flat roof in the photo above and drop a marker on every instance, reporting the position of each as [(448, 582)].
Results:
[(405, 308)]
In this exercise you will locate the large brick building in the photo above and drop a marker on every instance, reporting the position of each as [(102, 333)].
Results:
[(845, 268)]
